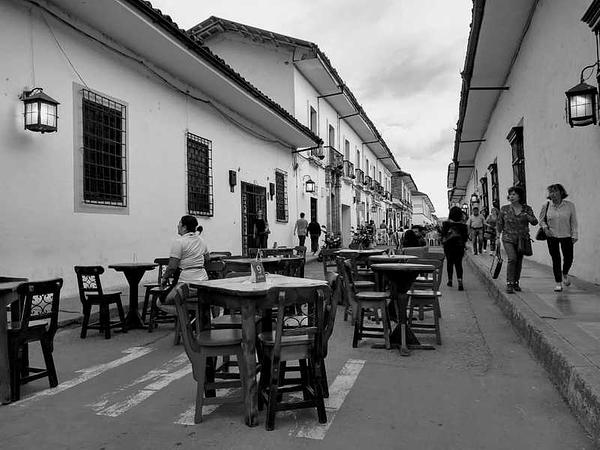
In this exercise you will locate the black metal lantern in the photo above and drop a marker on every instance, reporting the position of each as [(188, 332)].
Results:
[(309, 185), (41, 111), (474, 198), (581, 105), (465, 208)]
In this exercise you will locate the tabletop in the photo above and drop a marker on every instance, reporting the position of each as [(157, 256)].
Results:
[(374, 259), (242, 286), (133, 265), (402, 267), (368, 251)]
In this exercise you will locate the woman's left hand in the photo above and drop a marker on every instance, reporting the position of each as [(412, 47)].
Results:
[(574, 240)]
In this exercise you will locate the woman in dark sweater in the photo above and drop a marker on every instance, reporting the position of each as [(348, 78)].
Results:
[(454, 238)]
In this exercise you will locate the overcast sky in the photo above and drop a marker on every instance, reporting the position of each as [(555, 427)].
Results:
[(401, 59)]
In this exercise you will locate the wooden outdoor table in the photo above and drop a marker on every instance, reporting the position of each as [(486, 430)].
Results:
[(400, 277), (133, 272), (378, 259), (8, 294), (240, 293)]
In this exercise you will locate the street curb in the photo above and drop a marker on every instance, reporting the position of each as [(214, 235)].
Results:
[(576, 379)]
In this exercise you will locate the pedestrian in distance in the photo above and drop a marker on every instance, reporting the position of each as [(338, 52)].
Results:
[(454, 238), (490, 225), (314, 230), (559, 221), (513, 227), (485, 237), (300, 229), (475, 225), (261, 230)]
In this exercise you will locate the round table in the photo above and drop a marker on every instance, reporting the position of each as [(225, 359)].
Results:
[(400, 277), (133, 272)]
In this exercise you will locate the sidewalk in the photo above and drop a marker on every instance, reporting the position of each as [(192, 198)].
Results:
[(562, 330)]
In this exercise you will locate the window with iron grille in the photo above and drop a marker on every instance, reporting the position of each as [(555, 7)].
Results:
[(281, 199), (493, 168), (484, 192), (104, 150), (515, 138), (199, 176)]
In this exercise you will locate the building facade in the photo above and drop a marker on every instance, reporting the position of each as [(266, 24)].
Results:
[(353, 170), (422, 210), (522, 56)]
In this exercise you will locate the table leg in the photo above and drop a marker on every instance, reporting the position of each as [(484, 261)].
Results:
[(133, 319), (4, 363), (248, 351)]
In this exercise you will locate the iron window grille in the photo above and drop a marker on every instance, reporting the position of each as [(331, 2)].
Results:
[(484, 192), (281, 198), (515, 138), (199, 176), (104, 150)]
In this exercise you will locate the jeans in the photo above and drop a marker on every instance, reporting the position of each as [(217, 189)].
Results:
[(301, 240), (477, 236), (261, 240), (555, 245), (514, 263), (314, 243), (454, 256)]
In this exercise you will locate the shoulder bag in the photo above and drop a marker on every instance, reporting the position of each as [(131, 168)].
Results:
[(496, 266), (541, 234)]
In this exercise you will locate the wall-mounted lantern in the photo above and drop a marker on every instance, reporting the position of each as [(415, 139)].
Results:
[(373, 208), (40, 111), (309, 185), (474, 198), (465, 208), (232, 179), (582, 101), (272, 190)]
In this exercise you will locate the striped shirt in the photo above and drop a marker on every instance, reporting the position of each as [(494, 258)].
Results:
[(561, 219)]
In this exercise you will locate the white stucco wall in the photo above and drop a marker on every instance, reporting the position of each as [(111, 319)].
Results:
[(557, 46), (40, 234)]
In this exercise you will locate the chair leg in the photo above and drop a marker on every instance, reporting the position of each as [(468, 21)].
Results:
[(200, 389), (357, 326), (153, 313), (177, 338), (436, 319), (324, 382), (318, 386), (49, 360), (146, 302), (105, 320), (15, 375), (121, 316), (386, 325), (273, 390), (86, 320)]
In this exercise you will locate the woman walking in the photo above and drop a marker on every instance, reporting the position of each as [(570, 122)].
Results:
[(559, 221), (513, 225), (490, 225), (454, 237)]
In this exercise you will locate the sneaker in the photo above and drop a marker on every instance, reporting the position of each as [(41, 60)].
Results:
[(460, 286), (558, 288), (449, 283), (516, 287), (566, 280), (509, 288)]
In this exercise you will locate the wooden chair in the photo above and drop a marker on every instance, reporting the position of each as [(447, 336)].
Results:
[(425, 296), (163, 313), (292, 267), (162, 264), (329, 256), (38, 304), (91, 294), (359, 285), (362, 301), (302, 342), (215, 269), (202, 346)]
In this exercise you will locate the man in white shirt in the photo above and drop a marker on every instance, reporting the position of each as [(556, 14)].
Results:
[(300, 229), (475, 224)]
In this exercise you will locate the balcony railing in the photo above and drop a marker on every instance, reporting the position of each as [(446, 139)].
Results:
[(318, 153), (376, 186), (349, 169), (360, 176), (336, 159), (368, 182)]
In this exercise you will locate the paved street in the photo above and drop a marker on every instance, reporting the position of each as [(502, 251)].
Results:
[(480, 389)]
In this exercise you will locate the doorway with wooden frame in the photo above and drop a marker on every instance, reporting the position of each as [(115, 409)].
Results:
[(254, 198)]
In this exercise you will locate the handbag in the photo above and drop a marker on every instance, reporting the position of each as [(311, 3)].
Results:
[(524, 246), (496, 266), (541, 234)]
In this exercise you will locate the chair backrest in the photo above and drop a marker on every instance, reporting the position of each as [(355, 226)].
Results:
[(39, 300), (309, 300), (328, 255), (293, 267), (346, 272), (252, 251), (330, 309), (215, 269), (88, 281), (432, 282), (415, 251), (162, 264)]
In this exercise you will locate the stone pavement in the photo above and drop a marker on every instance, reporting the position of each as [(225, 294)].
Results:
[(561, 329)]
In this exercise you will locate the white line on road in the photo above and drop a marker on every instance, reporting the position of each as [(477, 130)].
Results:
[(187, 418), (338, 390), (87, 374), (160, 378)]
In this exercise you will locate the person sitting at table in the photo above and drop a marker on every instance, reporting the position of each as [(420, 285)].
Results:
[(188, 252)]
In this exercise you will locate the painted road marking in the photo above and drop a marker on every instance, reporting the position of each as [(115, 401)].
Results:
[(160, 378), (87, 374), (187, 418), (338, 390)]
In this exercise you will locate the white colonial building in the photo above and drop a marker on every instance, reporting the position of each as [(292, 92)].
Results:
[(522, 56), (353, 170), (422, 209), (151, 126)]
